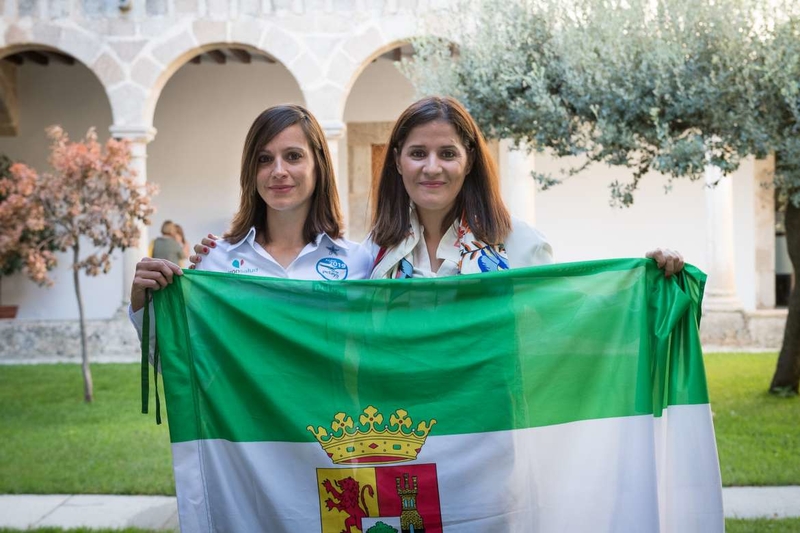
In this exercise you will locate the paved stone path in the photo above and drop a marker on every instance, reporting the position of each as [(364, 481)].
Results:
[(161, 513)]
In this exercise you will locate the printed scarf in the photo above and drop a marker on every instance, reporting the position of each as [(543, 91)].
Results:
[(475, 255)]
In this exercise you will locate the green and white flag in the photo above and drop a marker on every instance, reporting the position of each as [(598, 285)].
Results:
[(558, 398)]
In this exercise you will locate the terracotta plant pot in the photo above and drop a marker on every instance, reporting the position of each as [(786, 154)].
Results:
[(8, 311)]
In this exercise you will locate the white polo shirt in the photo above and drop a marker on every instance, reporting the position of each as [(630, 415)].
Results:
[(324, 259)]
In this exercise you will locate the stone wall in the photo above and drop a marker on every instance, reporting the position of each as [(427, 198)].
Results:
[(732, 330), (325, 44), (59, 341), (114, 340)]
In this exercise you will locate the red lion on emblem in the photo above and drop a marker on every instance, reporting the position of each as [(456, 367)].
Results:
[(346, 501)]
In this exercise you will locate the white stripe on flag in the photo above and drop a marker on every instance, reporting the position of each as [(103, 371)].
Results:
[(638, 474)]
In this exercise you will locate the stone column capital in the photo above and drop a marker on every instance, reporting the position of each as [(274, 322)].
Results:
[(134, 133), (138, 135), (334, 129)]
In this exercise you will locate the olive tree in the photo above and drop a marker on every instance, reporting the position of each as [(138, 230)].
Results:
[(782, 73), (661, 86)]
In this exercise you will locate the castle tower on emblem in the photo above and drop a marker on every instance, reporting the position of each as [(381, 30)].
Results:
[(410, 519), (369, 490)]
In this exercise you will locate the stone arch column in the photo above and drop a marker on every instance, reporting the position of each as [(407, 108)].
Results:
[(334, 134), (321, 102), (138, 136), (720, 293), (766, 244)]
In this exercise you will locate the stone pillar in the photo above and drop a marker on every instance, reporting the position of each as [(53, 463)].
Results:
[(138, 136), (765, 232), (720, 293), (334, 133), (517, 186)]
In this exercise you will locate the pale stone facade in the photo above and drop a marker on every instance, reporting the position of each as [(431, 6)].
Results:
[(323, 54)]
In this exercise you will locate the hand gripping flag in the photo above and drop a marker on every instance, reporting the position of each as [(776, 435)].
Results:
[(559, 398)]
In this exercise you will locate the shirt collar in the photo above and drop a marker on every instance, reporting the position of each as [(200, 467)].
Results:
[(250, 238), (341, 243)]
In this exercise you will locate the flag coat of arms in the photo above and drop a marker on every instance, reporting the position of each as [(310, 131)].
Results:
[(557, 398)]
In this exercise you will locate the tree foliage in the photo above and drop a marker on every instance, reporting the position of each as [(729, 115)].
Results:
[(91, 197), (667, 86), (653, 85), (21, 224), (782, 74), (91, 194)]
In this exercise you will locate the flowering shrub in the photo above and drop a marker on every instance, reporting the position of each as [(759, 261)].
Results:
[(22, 226), (91, 193), (91, 196)]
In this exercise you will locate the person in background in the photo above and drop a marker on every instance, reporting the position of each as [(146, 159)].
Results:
[(167, 246), (181, 238)]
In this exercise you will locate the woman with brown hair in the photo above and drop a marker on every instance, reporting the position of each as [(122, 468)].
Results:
[(439, 210), (289, 223)]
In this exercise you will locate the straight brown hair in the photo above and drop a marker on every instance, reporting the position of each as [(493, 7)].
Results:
[(479, 201), (325, 215)]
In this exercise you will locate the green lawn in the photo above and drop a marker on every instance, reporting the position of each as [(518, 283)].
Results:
[(54, 443), (758, 435), (762, 525)]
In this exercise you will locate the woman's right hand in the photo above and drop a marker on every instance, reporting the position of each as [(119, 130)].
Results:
[(151, 274), (202, 249)]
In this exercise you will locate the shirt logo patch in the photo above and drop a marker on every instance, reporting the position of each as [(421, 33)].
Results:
[(333, 250), (238, 267), (332, 269)]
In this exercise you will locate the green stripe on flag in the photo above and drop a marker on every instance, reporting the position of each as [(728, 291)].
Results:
[(257, 359)]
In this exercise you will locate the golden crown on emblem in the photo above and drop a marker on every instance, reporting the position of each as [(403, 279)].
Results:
[(371, 442)]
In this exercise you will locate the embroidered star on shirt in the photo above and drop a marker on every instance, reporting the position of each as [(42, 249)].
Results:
[(333, 250)]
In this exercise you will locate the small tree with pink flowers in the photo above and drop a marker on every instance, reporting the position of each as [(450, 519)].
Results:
[(90, 205), (22, 226)]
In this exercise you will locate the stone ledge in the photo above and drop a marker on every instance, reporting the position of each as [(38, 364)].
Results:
[(759, 330), (58, 341)]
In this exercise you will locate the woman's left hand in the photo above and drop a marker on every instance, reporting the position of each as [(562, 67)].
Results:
[(670, 261)]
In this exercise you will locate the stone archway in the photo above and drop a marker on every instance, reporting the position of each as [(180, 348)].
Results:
[(43, 86), (202, 117), (374, 102)]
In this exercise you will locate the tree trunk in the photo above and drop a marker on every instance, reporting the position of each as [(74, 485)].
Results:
[(88, 394), (787, 373)]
